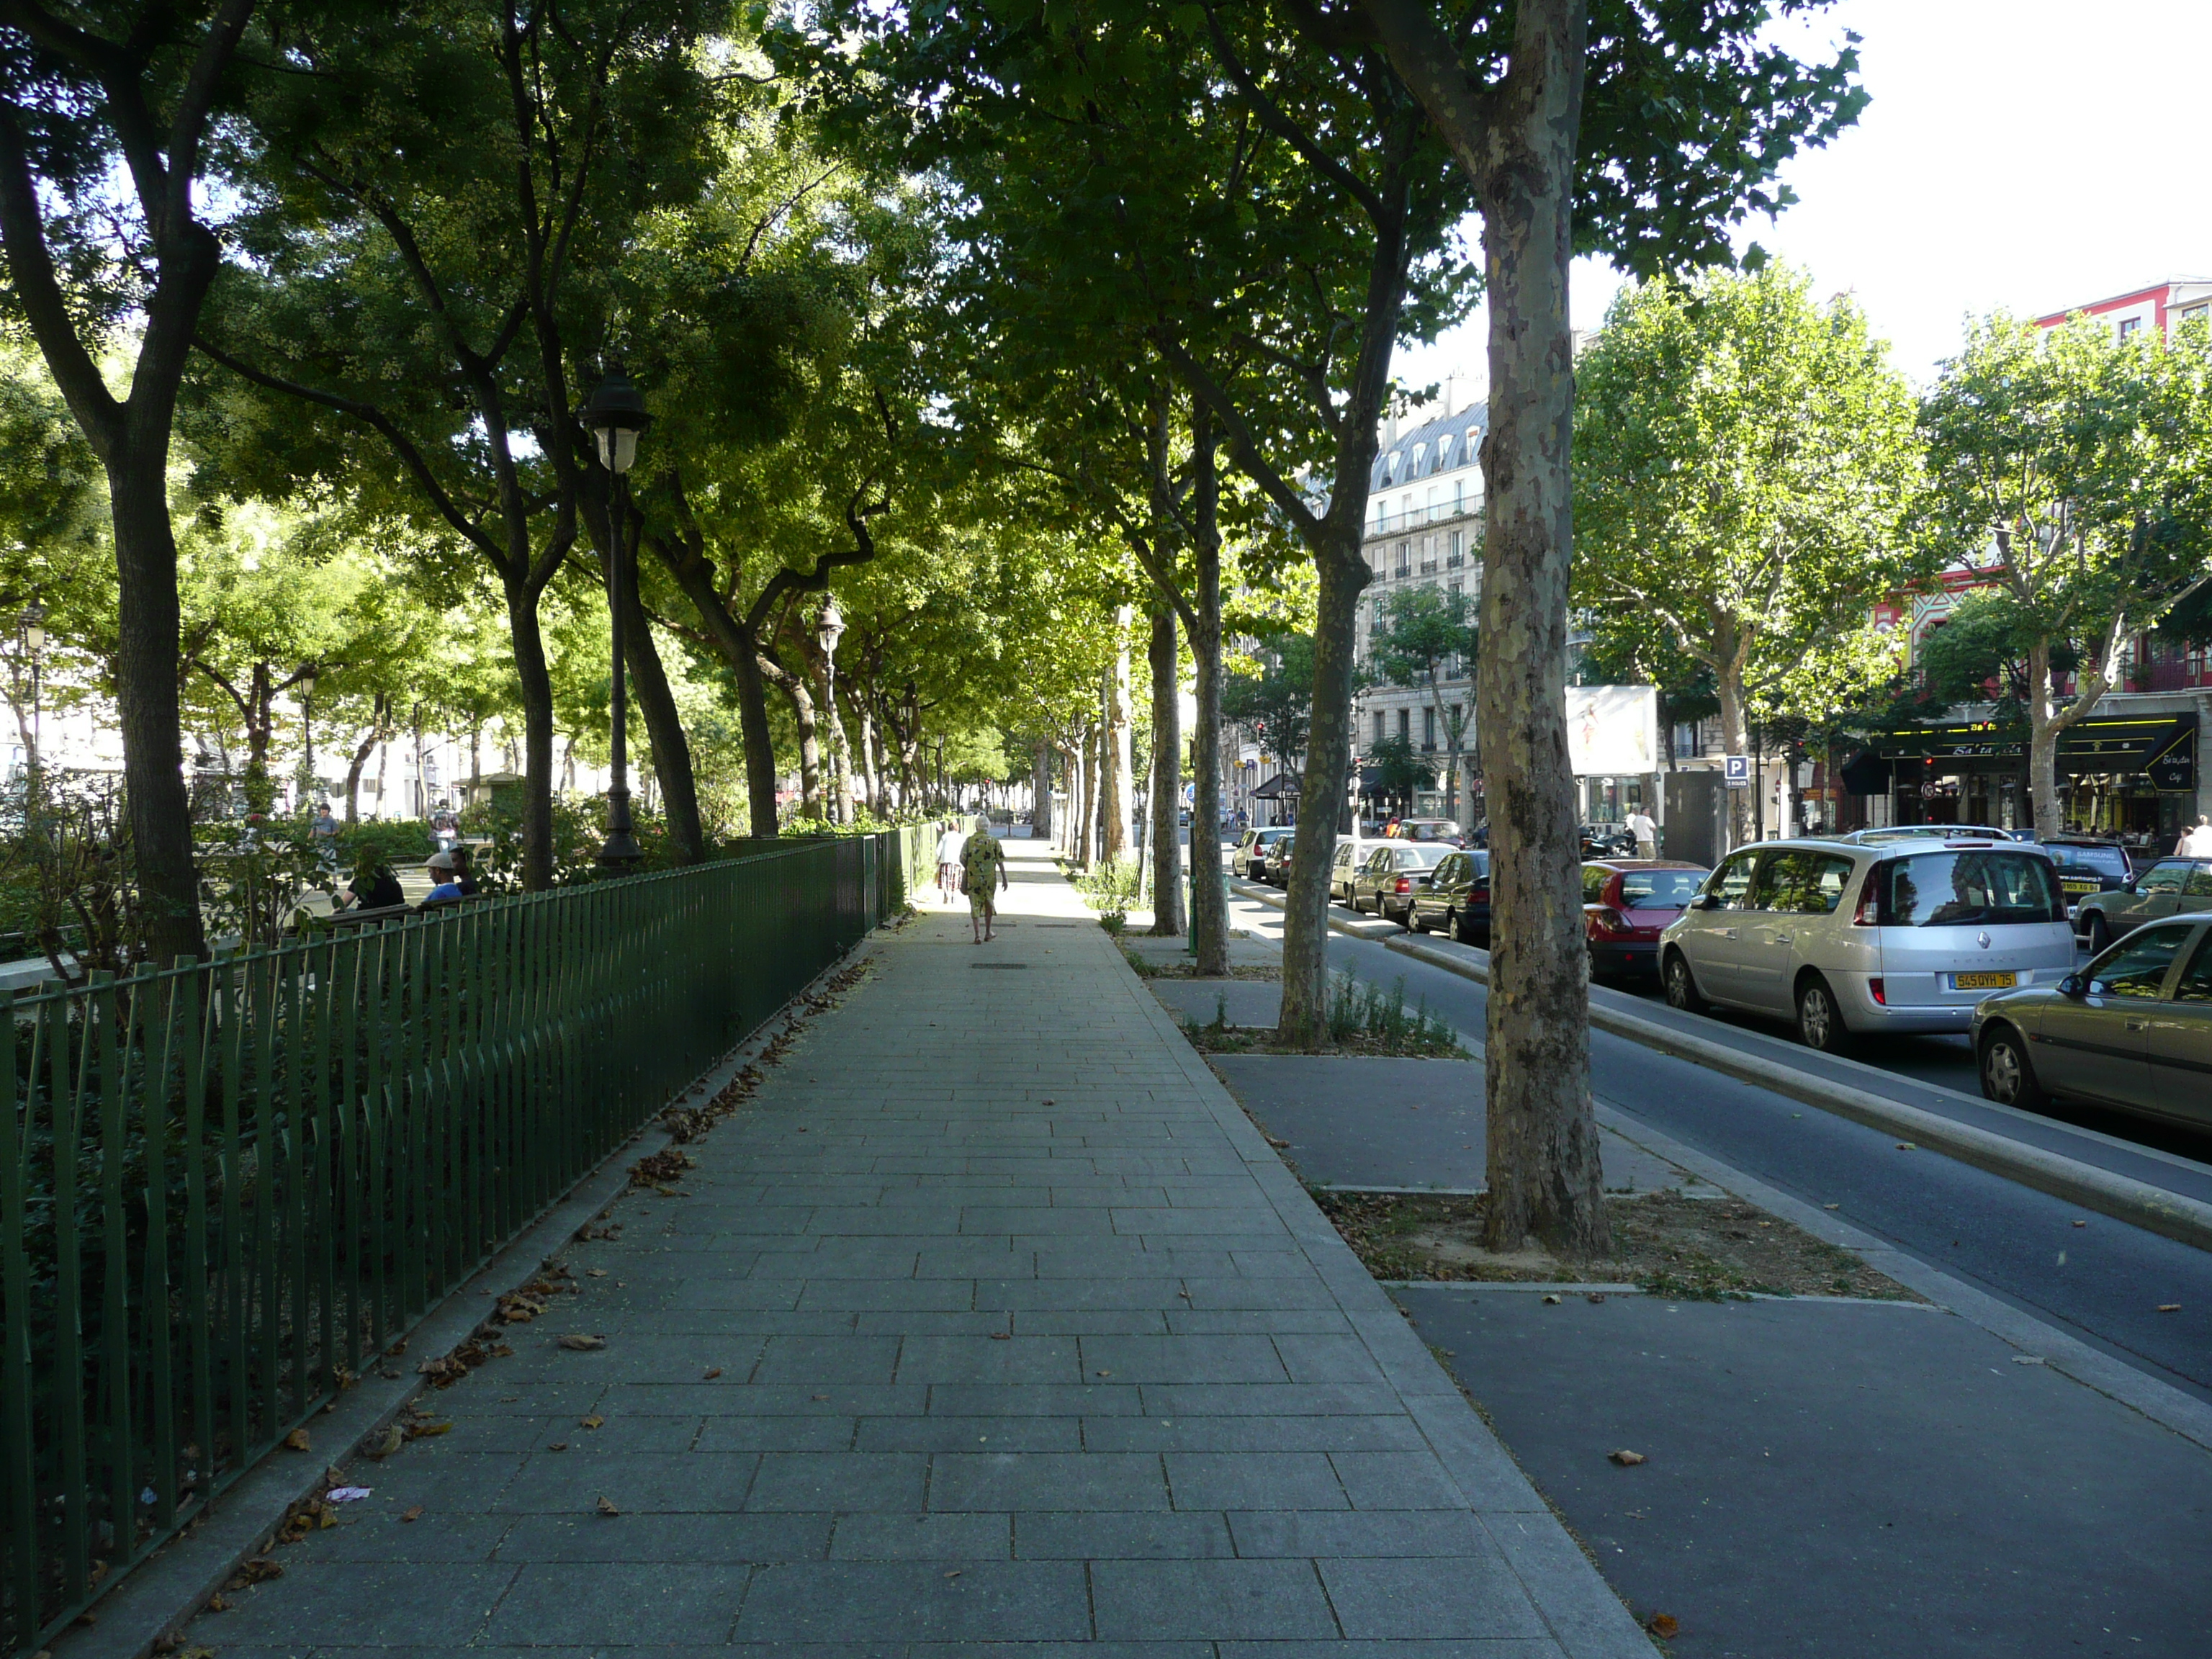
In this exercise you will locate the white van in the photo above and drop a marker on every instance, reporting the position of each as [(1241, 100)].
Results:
[(1848, 938)]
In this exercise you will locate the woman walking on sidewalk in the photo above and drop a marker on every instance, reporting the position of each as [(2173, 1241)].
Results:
[(983, 872)]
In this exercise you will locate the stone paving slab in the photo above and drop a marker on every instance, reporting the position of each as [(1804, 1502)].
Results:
[(1367, 1122), (1841, 1479), (991, 1326), (1237, 1001)]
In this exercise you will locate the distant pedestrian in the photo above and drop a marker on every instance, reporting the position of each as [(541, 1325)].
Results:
[(462, 879), (323, 835), (2197, 843), (1646, 832), (982, 873), (949, 847)]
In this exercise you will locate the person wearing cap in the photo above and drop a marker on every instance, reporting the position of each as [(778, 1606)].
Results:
[(443, 874)]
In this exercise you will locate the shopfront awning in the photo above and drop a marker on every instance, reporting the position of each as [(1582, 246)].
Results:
[(2163, 747), (1284, 785)]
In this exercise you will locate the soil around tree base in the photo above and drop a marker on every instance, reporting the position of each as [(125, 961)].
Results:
[(1700, 1249)]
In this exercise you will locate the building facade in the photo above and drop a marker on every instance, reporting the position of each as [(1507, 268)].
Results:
[(1424, 529)]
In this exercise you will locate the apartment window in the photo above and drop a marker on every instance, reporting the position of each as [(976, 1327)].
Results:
[(1405, 725), (2129, 325), (1432, 502), (1414, 471), (1473, 439), (1429, 727), (1453, 557), (1428, 556), (1378, 726), (1406, 507), (1459, 720), (1454, 589), (1687, 746), (1405, 558), (1459, 496), (1390, 469), (1444, 446)]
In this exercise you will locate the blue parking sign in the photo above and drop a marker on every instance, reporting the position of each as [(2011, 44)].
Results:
[(1736, 769)]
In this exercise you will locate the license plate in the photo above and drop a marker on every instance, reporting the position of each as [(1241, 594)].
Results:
[(1982, 982), (2081, 886)]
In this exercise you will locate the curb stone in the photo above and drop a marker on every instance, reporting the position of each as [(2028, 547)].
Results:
[(2171, 1215)]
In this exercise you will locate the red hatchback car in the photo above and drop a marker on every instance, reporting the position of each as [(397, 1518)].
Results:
[(1625, 904)]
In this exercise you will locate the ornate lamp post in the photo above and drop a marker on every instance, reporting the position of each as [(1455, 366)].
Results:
[(33, 624), (617, 415), (829, 630), (308, 677)]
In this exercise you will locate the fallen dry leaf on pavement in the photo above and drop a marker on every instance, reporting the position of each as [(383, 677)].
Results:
[(1552, 1299), (2169, 1307), (595, 1273), (1906, 1146), (1627, 1459), (1277, 1144), (594, 1421), (296, 1441), (606, 1506), (577, 1342), (558, 1445), (387, 1442), (1002, 1336), (1663, 1625), (414, 1514), (215, 1603), (425, 1430), (713, 1371), (259, 1570)]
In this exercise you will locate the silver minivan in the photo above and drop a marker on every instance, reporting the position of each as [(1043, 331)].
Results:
[(1848, 938)]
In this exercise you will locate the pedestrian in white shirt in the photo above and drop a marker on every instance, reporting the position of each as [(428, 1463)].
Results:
[(1646, 832), (2197, 843), (949, 845)]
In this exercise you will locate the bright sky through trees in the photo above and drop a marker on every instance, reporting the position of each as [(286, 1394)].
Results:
[(2021, 154)]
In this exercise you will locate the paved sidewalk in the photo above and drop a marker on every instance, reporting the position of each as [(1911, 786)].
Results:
[(991, 1320)]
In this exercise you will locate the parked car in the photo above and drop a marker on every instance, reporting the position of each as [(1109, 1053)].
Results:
[(2087, 864), (1456, 901), (2170, 887), (1906, 936), (1627, 904), (1428, 829), (1351, 851), (1897, 832), (2132, 1030), (1256, 850), (1394, 873), (1279, 861)]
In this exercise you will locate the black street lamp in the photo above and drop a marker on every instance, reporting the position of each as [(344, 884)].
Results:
[(308, 677), (617, 415), (33, 624), (830, 629)]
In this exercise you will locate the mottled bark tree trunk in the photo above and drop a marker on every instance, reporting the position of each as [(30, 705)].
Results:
[(1041, 790), (1543, 1166), (1164, 659), (1117, 777), (1209, 904), (535, 681)]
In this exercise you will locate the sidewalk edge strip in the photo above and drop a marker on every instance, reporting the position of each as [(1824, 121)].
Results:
[(2186, 1220)]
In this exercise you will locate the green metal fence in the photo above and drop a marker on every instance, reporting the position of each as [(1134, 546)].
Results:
[(224, 1186)]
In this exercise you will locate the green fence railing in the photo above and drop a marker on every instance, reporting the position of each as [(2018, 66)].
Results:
[(223, 1185)]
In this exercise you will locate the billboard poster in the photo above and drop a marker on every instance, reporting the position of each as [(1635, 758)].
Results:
[(1613, 731)]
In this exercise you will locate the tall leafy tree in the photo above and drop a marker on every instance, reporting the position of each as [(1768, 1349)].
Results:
[(2074, 470), (1745, 472), (1584, 125), (439, 201), (108, 120)]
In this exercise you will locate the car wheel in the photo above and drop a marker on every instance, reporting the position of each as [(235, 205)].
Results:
[(1819, 1020), (2008, 1077), (1417, 921), (2100, 934), (1682, 986)]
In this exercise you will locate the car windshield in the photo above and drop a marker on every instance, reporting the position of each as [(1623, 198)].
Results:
[(1969, 890), (1420, 857), (1660, 890), (2097, 860)]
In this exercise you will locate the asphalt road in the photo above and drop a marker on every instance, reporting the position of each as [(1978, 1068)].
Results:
[(2102, 1279)]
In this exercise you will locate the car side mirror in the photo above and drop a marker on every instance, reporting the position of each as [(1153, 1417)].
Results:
[(2073, 986), (1705, 901)]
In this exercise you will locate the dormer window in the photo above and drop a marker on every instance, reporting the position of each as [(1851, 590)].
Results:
[(1390, 468), (1473, 442), (1419, 451), (1444, 451)]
